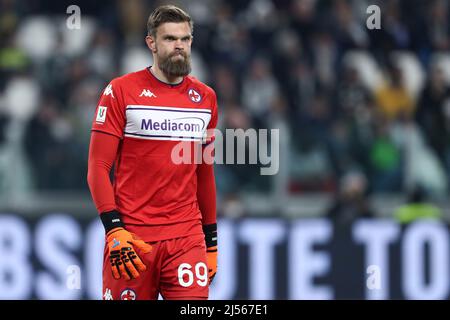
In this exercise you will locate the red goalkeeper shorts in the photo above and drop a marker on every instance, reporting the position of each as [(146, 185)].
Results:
[(176, 269)]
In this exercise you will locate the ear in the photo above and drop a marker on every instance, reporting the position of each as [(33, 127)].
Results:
[(151, 43)]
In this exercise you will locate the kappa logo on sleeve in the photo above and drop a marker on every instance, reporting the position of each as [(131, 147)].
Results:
[(108, 91), (101, 114)]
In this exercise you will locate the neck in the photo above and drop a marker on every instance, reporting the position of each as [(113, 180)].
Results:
[(160, 75)]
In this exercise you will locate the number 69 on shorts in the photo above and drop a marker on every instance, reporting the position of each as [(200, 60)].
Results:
[(187, 275)]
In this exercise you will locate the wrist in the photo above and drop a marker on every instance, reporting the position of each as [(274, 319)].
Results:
[(210, 231), (111, 220)]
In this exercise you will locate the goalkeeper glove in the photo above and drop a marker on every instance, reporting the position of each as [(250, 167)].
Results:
[(121, 248), (210, 232)]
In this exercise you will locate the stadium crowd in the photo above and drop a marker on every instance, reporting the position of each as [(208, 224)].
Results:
[(360, 108)]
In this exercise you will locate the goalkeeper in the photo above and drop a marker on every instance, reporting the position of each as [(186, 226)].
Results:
[(159, 215)]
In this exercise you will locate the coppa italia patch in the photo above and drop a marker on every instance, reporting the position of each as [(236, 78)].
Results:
[(101, 114)]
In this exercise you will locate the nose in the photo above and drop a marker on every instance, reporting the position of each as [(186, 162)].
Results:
[(179, 44)]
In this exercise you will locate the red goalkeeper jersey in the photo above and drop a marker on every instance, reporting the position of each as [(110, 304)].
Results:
[(156, 197)]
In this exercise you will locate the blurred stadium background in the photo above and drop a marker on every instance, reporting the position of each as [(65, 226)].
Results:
[(364, 119)]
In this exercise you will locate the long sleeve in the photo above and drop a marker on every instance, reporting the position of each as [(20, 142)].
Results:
[(206, 184), (206, 193), (102, 154)]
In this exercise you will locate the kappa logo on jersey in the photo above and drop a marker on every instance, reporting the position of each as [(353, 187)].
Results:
[(194, 96), (108, 295), (128, 294), (147, 93), (108, 91), (101, 114)]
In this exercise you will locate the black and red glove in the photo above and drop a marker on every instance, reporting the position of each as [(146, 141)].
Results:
[(122, 246)]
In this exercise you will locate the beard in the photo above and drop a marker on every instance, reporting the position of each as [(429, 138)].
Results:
[(175, 68)]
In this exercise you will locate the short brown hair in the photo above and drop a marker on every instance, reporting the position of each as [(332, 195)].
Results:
[(167, 13)]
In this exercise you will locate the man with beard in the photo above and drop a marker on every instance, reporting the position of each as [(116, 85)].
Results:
[(159, 214)]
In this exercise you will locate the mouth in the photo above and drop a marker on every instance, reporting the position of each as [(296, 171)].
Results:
[(177, 54), (178, 59)]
